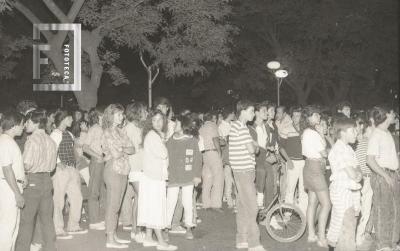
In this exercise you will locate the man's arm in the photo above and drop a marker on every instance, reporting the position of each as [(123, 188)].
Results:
[(353, 173), (217, 145), (10, 178), (371, 161), (289, 162)]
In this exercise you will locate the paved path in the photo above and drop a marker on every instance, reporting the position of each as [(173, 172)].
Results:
[(215, 233)]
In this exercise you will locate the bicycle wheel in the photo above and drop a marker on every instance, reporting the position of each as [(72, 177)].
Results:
[(290, 219)]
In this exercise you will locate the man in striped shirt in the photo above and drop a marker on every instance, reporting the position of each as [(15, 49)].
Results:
[(242, 149)]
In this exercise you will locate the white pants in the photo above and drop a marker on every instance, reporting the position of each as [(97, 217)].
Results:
[(293, 176), (187, 202), (9, 217), (366, 204)]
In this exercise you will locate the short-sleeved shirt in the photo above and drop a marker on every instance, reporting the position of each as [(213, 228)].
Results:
[(94, 138), (40, 152), (209, 131), (312, 144), (340, 157), (240, 158), (10, 154), (134, 134), (381, 145)]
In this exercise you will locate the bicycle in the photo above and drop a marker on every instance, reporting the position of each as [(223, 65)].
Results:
[(288, 216)]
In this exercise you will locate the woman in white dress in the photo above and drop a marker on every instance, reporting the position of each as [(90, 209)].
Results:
[(152, 210)]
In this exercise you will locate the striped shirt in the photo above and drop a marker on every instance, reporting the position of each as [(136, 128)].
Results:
[(239, 157), (361, 154), (40, 153)]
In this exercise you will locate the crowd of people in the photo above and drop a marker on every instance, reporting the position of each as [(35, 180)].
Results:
[(150, 170)]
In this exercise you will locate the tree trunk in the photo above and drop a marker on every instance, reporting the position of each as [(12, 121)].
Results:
[(150, 86)]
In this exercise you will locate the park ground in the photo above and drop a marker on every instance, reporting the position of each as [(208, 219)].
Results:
[(216, 232)]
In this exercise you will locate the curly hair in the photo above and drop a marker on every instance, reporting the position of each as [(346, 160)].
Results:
[(108, 117), (307, 112), (148, 125), (189, 125), (134, 112), (26, 106)]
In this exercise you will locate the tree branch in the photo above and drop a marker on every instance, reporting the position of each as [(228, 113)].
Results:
[(143, 62), (155, 76), (31, 17)]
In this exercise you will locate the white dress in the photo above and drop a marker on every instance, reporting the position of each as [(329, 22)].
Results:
[(152, 204)]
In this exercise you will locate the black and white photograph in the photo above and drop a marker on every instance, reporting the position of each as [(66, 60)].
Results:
[(199, 125)]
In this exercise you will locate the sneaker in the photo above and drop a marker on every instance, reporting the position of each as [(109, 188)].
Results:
[(97, 226), (63, 236), (122, 241), (257, 248), (167, 248), (177, 230), (274, 224), (78, 231), (36, 247), (242, 245), (127, 228), (116, 245)]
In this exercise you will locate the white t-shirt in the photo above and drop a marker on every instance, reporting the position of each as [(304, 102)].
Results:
[(312, 144), (224, 128), (381, 145), (262, 135), (10, 154)]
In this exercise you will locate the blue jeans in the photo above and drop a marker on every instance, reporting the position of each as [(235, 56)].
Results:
[(38, 209), (386, 210), (247, 209)]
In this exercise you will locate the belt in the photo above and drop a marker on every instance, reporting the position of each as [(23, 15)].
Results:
[(367, 175), (210, 150), (389, 170)]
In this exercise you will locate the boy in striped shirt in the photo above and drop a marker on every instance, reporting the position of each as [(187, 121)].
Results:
[(242, 149)]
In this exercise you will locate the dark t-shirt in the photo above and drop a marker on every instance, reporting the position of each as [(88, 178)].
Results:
[(292, 145)]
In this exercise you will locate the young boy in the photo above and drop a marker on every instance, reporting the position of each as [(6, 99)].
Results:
[(345, 177), (12, 178), (242, 151)]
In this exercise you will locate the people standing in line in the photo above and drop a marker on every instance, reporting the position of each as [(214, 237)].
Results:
[(223, 129), (116, 147), (345, 188), (385, 181), (66, 180), (213, 173), (314, 150), (292, 144), (39, 157), (152, 208), (136, 114), (184, 171), (12, 179), (242, 150), (92, 147)]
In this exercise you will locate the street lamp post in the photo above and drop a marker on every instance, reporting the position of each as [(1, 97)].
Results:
[(279, 74)]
